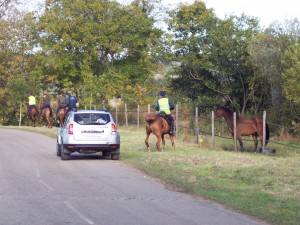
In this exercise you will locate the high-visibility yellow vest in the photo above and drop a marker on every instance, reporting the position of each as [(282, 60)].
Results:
[(164, 105), (32, 100)]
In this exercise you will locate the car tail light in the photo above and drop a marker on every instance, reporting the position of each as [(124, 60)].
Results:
[(113, 129), (114, 146), (70, 129)]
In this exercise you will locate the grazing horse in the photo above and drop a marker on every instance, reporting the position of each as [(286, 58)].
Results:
[(244, 126), (47, 116), (159, 127), (33, 115), (61, 115)]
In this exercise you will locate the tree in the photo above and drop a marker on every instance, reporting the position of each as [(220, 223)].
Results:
[(87, 41), (291, 73), (213, 53)]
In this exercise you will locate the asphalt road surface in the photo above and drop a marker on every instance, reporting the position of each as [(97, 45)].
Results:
[(38, 188)]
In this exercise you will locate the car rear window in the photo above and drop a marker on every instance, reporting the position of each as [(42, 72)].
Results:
[(92, 118)]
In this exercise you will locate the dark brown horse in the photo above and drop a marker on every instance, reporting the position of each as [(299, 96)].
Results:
[(33, 115), (244, 126), (159, 127), (61, 115), (47, 116)]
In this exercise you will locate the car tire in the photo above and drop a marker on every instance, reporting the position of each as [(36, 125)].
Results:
[(115, 156), (58, 149), (64, 156)]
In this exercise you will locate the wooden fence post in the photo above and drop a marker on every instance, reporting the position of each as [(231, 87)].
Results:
[(264, 131), (126, 116), (213, 129), (138, 116), (117, 115), (234, 131), (20, 116), (196, 125), (177, 120)]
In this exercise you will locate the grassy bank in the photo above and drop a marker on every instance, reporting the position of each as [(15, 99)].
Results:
[(264, 186)]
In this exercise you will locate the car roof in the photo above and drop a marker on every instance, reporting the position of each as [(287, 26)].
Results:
[(91, 111)]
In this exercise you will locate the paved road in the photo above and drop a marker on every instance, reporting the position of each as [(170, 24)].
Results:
[(37, 188)]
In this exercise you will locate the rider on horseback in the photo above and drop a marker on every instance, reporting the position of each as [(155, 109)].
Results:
[(61, 102), (31, 103), (71, 102), (165, 105), (45, 101)]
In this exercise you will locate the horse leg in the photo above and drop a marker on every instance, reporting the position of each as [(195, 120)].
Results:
[(147, 141), (172, 141), (254, 136), (158, 139), (50, 123), (163, 142), (241, 143)]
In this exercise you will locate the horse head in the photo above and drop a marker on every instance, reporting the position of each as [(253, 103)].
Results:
[(219, 111)]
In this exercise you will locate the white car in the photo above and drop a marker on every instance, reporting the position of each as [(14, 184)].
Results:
[(87, 132)]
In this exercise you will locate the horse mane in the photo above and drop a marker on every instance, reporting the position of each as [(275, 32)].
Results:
[(229, 111)]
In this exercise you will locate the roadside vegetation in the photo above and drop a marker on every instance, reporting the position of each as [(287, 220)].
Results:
[(260, 185)]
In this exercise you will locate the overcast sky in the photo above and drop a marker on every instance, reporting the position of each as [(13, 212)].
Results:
[(267, 11)]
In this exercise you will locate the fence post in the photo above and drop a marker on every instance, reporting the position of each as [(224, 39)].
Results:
[(117, 115), (91, 101), (234, 131), (213, 129), (20, 116), (264, 131), (196, 125), (138, 116), (126, 116), (148, 108), (177, 120)]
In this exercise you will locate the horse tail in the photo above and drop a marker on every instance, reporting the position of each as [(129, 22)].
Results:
[(267, 134)]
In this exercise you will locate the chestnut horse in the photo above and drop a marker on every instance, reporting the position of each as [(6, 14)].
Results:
[(159, 127), (244, 126), (47, 116), (61, 115), (33, 115)]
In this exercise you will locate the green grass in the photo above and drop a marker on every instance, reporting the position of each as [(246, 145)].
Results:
[(264, 186)]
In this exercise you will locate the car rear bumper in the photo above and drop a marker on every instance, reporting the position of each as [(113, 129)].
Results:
[(113, 148)]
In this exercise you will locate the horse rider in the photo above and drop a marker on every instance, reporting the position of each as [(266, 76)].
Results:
[(61, 102), (165, 105), (31, 103), (45, 102), (71, 102)]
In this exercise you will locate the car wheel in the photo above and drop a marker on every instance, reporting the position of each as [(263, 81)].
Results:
[(64, 156), (58, 149), (115, 157)]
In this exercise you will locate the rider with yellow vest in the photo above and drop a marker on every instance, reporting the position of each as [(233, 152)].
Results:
[(165, 105), (31, 102)]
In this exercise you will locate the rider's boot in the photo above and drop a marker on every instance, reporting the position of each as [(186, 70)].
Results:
[(172, 130)]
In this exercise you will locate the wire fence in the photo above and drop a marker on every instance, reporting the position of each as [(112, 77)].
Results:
[(191, 123)]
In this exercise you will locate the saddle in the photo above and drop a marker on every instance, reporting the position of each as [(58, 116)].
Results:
[(165, 116)]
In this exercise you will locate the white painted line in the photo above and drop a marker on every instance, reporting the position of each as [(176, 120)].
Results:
[(46, 185), (79, 214)]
